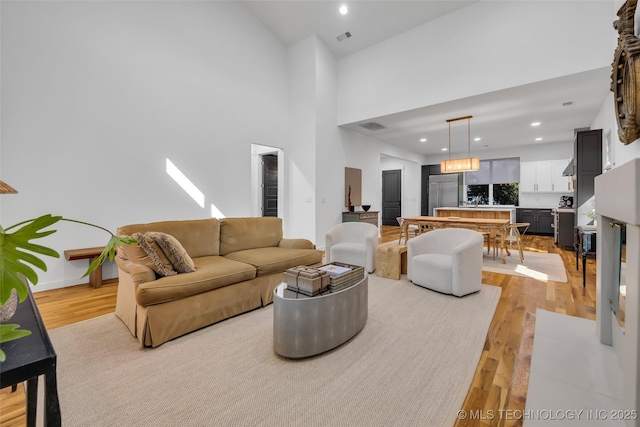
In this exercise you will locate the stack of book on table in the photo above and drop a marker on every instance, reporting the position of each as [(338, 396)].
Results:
[(342, 275), (306, 282)]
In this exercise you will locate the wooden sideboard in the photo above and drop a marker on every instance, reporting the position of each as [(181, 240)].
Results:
[(361, 216)]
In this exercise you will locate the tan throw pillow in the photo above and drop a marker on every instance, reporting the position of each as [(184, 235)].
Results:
[(178, 256), (159, 261)]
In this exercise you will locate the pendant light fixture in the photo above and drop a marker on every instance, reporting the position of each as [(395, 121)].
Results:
[(465, 164)]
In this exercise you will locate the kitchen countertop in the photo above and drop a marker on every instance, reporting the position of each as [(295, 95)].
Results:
[(484, 208), (565, 210)]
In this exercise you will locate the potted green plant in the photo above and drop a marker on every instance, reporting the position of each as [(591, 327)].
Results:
[(18, 254)]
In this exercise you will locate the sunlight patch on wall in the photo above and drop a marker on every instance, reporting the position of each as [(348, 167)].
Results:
[(215, 212), (185, 183)]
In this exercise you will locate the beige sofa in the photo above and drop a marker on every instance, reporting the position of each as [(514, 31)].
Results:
[(238, 262)]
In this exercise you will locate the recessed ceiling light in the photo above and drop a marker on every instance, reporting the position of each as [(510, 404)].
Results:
[(538, 139), (477, 139), (423, 139), (444, 149), (343, 10), (535, 124)]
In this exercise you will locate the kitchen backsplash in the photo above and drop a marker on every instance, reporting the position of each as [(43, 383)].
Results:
[(541, 200)]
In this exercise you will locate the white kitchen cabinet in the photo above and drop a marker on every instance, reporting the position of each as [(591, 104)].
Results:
[(543, 177), (535, 177), (527, 177), (560, 183)]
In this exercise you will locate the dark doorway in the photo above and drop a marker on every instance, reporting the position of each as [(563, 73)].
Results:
[(391, 196), (269, 185)]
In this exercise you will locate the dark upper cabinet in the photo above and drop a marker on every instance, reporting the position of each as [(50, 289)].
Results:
[(588, 163)]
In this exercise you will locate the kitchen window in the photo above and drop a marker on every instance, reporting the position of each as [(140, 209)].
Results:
[(495, 183)]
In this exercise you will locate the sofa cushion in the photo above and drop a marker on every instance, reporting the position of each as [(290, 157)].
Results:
[(212, 272), (159, 261), (276, 260), (199, 237), (178, 256), (238, 234)]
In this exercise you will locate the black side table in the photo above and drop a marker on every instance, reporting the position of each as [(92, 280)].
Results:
[(27, 359), (585, 242)]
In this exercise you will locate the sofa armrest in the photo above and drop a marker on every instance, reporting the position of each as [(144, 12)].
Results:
[(296, 244), (139, 273)]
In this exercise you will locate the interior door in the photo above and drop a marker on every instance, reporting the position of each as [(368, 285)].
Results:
[(391, 196), (269, 185)]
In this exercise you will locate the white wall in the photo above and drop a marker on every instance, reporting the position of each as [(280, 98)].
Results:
[(488, 46), (530, 153), (606, 120), (96, 95), (301, 157), (364, 152), (330, 155)]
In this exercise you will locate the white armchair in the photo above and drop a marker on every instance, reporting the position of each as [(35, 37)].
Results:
[(353, 243), (447, 260)]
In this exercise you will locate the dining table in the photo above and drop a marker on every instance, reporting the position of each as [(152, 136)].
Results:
[(493, 226)]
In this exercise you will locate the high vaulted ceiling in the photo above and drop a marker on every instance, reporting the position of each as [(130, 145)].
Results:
[(501, 119), (369, 22)]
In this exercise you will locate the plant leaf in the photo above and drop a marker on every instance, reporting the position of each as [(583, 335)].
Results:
[(15, 256), (10, 333), (109, 251)]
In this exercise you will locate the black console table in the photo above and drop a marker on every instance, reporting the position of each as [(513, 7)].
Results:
[(585, 242), (27, 359)]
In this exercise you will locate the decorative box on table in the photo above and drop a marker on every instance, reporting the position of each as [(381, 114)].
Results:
[(306, 281)]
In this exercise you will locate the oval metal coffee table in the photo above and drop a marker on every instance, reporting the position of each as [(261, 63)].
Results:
[(308, 326)]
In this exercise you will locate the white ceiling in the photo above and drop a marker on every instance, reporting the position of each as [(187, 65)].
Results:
[(368, 21), (502, 119)]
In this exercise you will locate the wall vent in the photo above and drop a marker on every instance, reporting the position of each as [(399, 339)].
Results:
[(567, 104), (372, 126), (344, 36)]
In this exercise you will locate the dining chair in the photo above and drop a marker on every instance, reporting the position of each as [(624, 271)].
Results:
[(514, 234), (487, 238), (412, 228)]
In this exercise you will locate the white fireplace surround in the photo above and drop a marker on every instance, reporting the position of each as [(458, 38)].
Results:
[(617, 194)]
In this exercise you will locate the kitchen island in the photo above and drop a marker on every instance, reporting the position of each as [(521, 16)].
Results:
[(492, 212)]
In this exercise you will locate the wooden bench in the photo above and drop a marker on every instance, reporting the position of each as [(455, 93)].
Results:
[(95, 278)]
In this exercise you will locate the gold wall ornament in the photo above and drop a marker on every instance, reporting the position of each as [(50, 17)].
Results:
[(625, 76)]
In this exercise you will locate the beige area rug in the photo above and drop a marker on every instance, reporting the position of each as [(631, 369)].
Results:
[(537, 265), (411, 365)]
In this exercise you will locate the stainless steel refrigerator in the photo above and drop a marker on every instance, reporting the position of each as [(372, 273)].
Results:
[(443, 191)]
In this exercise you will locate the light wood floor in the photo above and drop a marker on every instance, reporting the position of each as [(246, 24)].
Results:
[(502, 376)]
